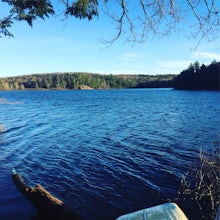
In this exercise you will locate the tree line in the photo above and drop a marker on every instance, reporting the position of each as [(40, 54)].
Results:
[(76, 80), (195, 77), (199, 77)]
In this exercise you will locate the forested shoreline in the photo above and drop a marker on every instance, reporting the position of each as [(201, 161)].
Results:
[(199, 77), (195, 77), (79, 79)]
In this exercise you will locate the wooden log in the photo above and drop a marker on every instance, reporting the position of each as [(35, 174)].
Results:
[(48, 206)]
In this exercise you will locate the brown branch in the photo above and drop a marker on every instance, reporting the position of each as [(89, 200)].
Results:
[(160, 17), (195, 13), (120, 23), (47, 205)]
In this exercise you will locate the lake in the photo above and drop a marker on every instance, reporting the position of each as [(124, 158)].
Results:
[(103, 152)]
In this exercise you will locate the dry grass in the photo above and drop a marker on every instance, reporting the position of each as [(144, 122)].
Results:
[(202, 183)]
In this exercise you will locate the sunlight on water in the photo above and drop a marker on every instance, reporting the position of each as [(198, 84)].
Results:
[(121, 150)]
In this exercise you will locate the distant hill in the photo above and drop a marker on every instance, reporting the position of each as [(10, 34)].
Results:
[(198, 77), (85, 80)]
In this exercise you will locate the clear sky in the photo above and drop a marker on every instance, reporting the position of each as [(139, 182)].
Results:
[(74, 45)]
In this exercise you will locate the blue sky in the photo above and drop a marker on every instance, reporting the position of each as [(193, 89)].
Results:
[(74, 45)]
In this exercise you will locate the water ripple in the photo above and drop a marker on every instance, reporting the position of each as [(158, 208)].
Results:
[(119, 150)]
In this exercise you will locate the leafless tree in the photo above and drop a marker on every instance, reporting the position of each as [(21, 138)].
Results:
[(142, 18)]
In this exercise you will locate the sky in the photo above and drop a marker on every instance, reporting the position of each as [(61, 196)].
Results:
[(57, 45)]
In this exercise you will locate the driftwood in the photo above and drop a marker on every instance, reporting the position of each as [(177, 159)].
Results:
[(48, 206)]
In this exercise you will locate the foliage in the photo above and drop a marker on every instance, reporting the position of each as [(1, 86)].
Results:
[(24, 10), (157, 17), (195, 77), (199, 77), (83, 9), (157, 82), (201, 184), (75, 80)]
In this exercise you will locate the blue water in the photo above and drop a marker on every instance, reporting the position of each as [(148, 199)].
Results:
[(103, 152)]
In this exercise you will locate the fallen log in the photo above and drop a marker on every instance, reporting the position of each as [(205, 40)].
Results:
[(48, 207)]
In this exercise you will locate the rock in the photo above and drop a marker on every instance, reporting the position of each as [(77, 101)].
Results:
[(85, 87)]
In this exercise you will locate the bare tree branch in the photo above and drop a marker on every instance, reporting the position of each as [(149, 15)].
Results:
[(133, 20)]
